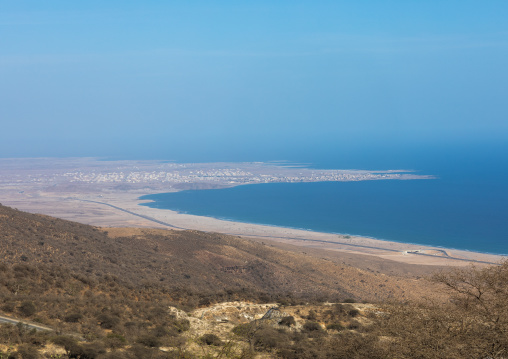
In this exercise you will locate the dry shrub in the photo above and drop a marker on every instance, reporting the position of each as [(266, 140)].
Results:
[(210, 339), (473, 325)]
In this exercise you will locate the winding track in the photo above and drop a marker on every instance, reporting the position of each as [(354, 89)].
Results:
[(446, 255), (29, 325), (133, 213)]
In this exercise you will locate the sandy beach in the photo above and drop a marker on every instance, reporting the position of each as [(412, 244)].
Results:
[(106, 194), (123, 209)]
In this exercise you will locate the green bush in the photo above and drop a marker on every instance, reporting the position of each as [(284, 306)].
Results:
[(65, 341), (210, 339), (312, 315), (312, 327), (86, 351), (26, 351), (138, 351), (288, 321), (150, 341), (354, 325), (244, 330), (9, 307), (181, 325), (107, 321), (335, 326), (353, 313), (27, 308), (73, 317), (266, 338), (114, 340)]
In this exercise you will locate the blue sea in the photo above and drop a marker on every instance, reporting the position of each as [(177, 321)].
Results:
[(465, 207)]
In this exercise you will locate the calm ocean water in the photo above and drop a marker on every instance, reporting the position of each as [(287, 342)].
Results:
[(464, 208)]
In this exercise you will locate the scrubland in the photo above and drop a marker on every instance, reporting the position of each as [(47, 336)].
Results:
[(129, 293)]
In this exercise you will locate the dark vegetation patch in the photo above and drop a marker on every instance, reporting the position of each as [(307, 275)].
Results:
[(210, 339)]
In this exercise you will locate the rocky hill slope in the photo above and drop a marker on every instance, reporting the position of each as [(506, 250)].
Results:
[(141, 293), (206, 267)]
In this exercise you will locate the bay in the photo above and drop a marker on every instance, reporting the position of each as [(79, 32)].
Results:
[(465, 207)]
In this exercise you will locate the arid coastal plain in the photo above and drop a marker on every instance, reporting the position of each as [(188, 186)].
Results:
[(106, 193)]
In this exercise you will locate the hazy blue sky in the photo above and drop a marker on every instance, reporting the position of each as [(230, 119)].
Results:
[(207, 79)]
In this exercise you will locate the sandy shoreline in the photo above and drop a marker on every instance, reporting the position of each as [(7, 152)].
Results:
[(106, 194), (123, 209)]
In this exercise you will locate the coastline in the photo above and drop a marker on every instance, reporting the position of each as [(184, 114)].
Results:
[(340, 235), (124, 209), (107, 194), (399, 251)]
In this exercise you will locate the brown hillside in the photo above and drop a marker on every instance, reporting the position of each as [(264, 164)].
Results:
[(114, 294), (189, 262)]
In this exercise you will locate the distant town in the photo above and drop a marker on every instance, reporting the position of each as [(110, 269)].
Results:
[(60, 174)]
